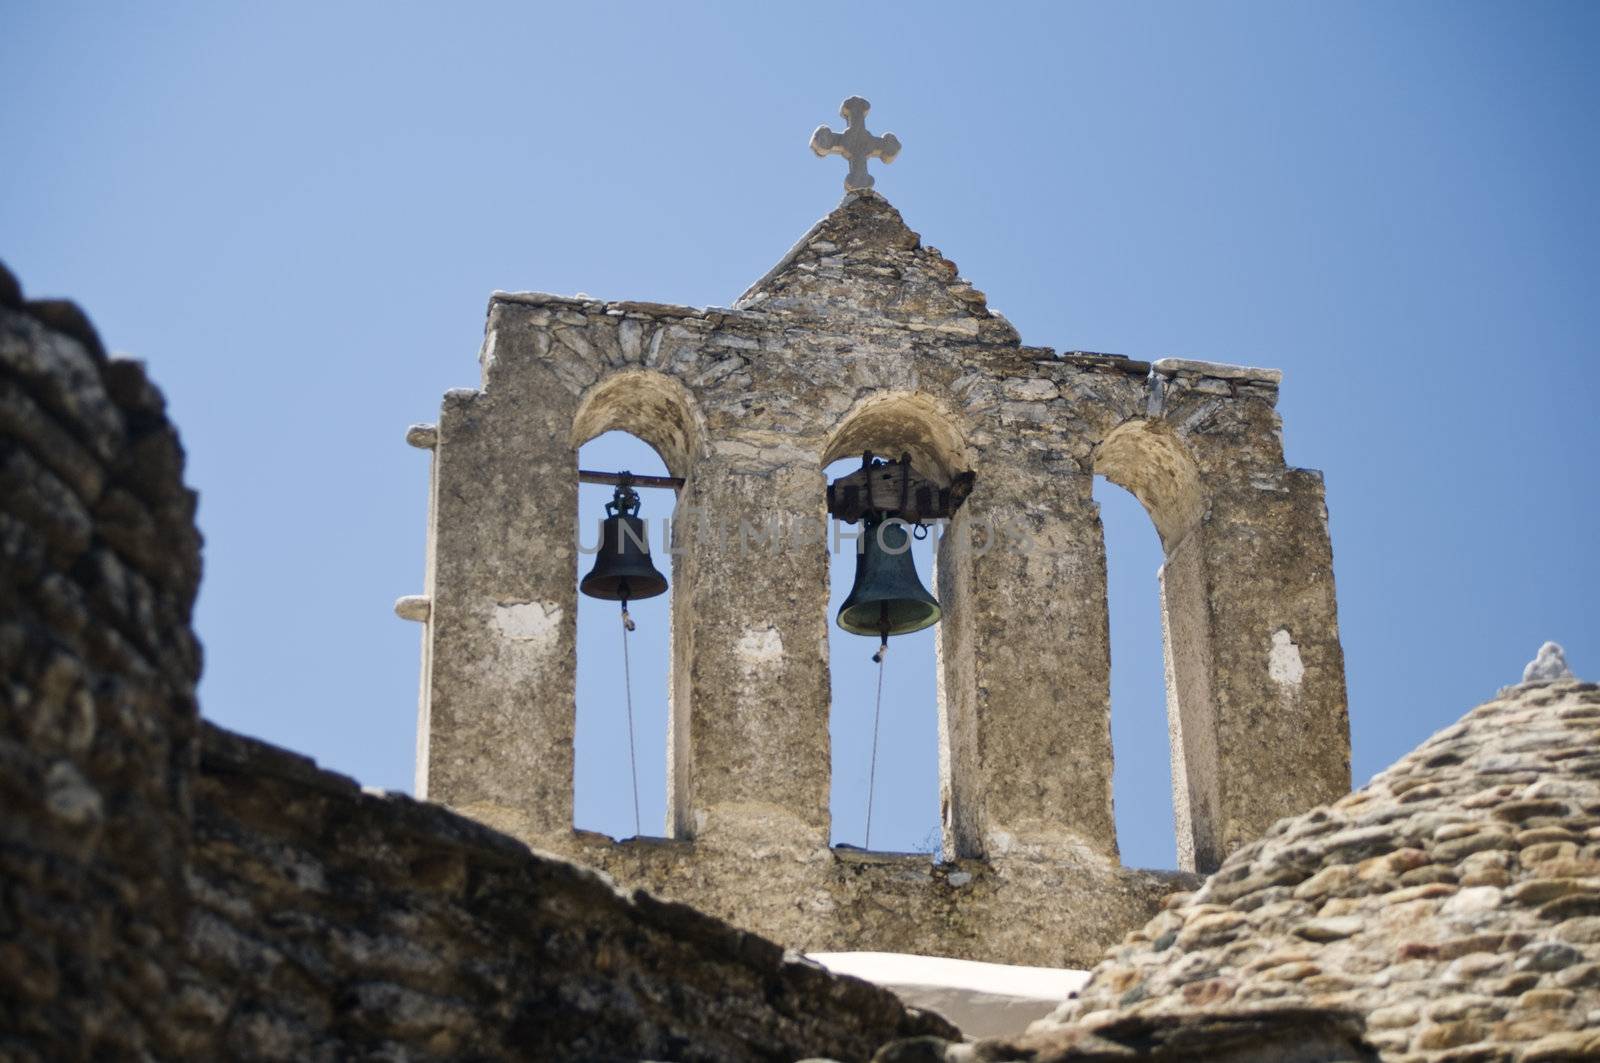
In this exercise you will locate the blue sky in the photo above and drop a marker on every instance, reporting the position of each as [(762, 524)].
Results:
[(295, 213)]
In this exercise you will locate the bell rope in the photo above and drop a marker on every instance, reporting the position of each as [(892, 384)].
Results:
[(872, 772), (627, 687)]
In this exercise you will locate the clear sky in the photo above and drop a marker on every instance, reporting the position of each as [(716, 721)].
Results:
[(295, 213)]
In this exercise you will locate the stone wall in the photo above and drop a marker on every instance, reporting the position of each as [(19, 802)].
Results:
[(332, 924), (171, 895), (99, 561), (1262, 1034), (864, 338)]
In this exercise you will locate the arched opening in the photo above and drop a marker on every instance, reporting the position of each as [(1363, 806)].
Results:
[(1149, 463), (904, 777), (608, 745), (646, 424), (910, 778), (1142, 748)]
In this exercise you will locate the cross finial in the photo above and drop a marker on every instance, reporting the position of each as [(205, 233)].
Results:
[(855, 143)]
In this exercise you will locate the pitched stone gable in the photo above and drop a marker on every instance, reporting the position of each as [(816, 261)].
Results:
[(862, 263)]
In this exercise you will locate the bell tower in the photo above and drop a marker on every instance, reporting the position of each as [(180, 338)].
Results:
[(862, 338)]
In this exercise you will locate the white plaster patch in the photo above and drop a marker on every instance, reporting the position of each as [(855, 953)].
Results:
[(1283, 662), (536, 625), (759, 650)]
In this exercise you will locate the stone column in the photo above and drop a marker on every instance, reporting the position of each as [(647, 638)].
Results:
[(960, 771), (503, 617), (1186, 638), (1034, 614), (758, 680), (1257, 692)]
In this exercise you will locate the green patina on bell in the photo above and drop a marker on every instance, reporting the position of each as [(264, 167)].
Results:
[(888, 597)]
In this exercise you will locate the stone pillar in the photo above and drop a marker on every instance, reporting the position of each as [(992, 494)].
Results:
[(758, 678), (1035, 617), (1186, 634), (503, 617), (420, 608), (1257, 693), (680, 742), (960, 772)]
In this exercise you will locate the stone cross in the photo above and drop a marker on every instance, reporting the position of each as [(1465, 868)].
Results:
[(855, 143)]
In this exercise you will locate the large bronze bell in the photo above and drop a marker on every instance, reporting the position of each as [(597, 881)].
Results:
[(623, 571), (887, 597)]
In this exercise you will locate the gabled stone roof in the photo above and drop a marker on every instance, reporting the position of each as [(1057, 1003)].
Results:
[(862, 261), (1453, 903)]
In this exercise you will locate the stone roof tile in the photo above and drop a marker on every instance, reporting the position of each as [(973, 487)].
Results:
[(1453, 901), (1452, 905)]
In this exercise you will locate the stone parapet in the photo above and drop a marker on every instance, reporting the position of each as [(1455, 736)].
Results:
[(822, 900), (333, 923)]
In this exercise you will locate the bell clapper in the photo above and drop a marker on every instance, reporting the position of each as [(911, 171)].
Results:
[(883, 636)]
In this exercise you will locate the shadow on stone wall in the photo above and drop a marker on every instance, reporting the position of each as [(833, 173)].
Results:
[(176, 891)]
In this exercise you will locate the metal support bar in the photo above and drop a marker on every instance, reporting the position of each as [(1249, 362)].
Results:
[(589, 476)]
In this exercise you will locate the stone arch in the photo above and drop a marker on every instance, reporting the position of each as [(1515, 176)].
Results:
[(902, 422), (1147, 459), (915, 423), (650, 405), (660, 411)]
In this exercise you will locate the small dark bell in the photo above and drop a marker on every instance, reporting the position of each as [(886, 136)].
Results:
[(887, 597), (622, 569)]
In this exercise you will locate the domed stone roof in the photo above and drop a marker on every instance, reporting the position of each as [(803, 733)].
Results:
[(1451, 906)]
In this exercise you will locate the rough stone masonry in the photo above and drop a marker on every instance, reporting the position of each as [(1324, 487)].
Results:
[(99, 562), (1446, 912), (864, 338), (172, 891)]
